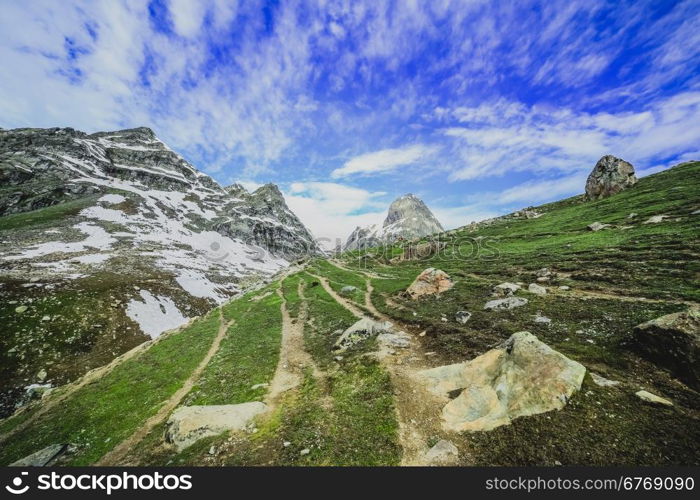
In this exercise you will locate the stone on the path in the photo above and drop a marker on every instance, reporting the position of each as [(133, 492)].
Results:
[(655, 219), (602, 381), (430, 282), (673, 342), (648, 397), (43, 457), (537, 289), (609, 176), (504, 304), (347, 290), (505, 289), (21, 309), (189, 424), (462, 316), (400, 340), (360, 331), (597, 226), (444, 452), (521, 377)]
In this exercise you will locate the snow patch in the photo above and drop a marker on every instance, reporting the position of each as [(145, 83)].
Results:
[(112, 198), (155, 314)]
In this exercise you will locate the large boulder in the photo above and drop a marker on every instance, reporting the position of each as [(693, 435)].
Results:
[(360, 331), (609, 176), (521, 377), (430, 282), (189, 424), (673, 341)]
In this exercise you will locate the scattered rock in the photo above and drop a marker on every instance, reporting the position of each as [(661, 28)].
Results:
[(602, 381), (258, 386), (444, 452), (673, 341), (348, 290), (305, 451), (648, 397), (462, 316), (531, 214), (609, 176), (361, 331), (505, 289), (21, 309), (43, 457), (543, 273), (188, 424), (632, 215), (521, 377), (564, 287), (542, 319), (537, 289), (655, 219), (41, 376), (287, 444), (503, 304), (430, 282), (597, 226)]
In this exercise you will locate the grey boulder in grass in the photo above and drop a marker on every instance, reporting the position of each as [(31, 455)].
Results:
[(609, 176), (521, 377)]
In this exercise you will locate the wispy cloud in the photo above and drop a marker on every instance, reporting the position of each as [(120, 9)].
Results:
[(383, 161)]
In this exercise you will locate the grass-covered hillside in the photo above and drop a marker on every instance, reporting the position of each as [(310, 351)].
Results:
[(366, 405)]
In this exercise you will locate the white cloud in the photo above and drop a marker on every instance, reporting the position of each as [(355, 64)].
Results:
[(383, 161), (331, 211), (187, 16)]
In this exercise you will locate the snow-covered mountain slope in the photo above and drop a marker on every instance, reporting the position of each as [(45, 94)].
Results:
[(111, 238), (409, 217)]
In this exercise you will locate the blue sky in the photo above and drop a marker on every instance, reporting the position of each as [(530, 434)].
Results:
[(479, 108)]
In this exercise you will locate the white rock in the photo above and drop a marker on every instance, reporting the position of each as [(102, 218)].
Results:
[(188, 424), (537, 289), (655, 219), (443, 453), (503, 304), (602, 381), (505, 289), (652, 398)]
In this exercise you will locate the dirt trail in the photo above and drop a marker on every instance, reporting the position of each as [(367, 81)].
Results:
[(293, 358), (594, 294), (418, 410), (367, 274), (64, 392), (117, 454)]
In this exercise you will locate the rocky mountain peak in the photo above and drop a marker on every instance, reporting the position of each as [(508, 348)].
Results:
[(408, 217)]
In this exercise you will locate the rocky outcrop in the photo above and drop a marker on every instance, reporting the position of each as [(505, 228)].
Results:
[(609, 176), (408, 218), (521, 377), (189, 424), (673, 342), (430, 282), (360, 331)]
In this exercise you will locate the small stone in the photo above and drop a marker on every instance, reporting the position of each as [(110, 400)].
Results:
[(259, 386), (503, 304), (462, 316), (21, 309), (655, 219), (287, 444), (505, 289), (564, 287), (305, 451), (632, 215), (347, 290), (212, 450), (338, 358), (652, 398), (597, 226), (542, 319), (602, 381), (41, 376), (46, 318), (537, 289), (443, 453)]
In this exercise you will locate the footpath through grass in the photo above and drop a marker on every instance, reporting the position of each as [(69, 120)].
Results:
[(100, 415)]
